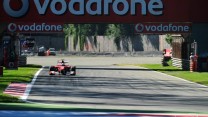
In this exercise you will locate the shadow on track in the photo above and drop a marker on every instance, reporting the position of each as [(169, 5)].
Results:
[(126, 69)]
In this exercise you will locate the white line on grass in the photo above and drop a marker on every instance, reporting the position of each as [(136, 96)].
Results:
[(29, 86)]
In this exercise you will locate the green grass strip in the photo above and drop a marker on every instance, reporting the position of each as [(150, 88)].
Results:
[(52, 107), (22, 75), (197, 77)]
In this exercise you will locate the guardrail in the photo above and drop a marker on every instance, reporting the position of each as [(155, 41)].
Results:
[(181, 63), (115, 54)]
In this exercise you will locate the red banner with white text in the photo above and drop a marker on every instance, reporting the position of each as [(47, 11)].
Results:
[(103, 11)]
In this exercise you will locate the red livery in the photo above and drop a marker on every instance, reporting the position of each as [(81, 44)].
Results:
[(62, 68)]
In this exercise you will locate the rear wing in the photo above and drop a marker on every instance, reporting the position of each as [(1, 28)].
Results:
[(60, 61)]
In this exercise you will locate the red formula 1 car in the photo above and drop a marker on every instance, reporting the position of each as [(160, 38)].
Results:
[(62, 68)]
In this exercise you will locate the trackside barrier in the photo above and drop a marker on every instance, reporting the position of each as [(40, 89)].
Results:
[(193, 63), (191, 66), (181, 63), (1, 71), (22, 61)]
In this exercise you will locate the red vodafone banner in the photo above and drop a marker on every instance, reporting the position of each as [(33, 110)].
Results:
[(103, 11)]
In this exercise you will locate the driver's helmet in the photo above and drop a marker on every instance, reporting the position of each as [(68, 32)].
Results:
[(62, 62)]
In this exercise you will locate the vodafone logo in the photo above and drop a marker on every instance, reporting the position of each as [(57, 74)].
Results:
[(139, 28), (162, 28), (16, 13), (12, 27), (35, 27)]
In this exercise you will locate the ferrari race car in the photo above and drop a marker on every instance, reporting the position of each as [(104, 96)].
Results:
[(62, 68)]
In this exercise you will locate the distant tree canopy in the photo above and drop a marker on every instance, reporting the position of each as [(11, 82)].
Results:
[(79, 32)]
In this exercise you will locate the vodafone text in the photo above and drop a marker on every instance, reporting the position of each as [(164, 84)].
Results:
[(162, 28), (102, 7), (12, 27)]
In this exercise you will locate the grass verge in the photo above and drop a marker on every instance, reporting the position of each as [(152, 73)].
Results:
[(51, 107), (22, 75), (198, 77)]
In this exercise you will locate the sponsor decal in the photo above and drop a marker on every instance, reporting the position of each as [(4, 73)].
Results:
[(12, 27), (163, 28), (91, 7), (35, 27)]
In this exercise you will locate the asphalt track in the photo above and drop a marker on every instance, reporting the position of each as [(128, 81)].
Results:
[(119, 87)]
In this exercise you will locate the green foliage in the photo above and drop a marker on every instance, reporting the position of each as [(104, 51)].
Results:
[(80, 32), (82, 42), (169, 39), (119, 30), (113, 31), (84, 31), (69, 30), (198, 77)]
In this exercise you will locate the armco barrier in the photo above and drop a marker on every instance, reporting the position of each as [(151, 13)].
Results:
[(22, 61)]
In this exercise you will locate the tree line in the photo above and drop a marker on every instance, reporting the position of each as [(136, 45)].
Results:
[(79, 32)]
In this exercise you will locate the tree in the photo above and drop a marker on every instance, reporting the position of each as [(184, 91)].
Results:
[(118, 32), (169, 39), (80, 32)]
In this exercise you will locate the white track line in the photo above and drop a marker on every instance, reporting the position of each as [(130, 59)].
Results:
[(29, 86)]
